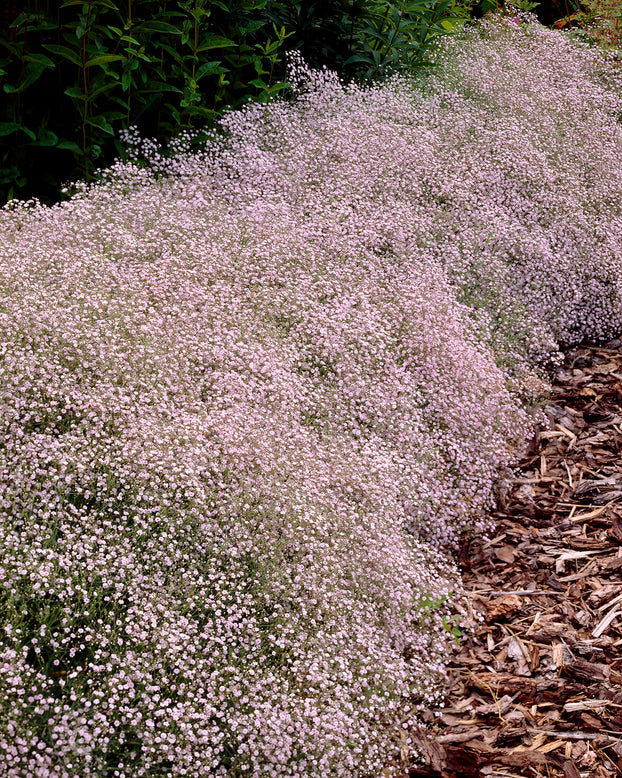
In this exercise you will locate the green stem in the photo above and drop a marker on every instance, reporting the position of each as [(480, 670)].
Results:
[(129, 88), (85, 102), (395, 32)]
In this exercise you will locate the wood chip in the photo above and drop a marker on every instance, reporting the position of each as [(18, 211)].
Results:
[(606, 621), (572, 707), (503, 607), (505, 554), (546, 749)]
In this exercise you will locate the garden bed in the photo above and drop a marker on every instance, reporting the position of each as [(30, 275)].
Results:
[(253, 396)]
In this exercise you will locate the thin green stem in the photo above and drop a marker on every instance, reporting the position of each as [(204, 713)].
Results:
[(392, 41)]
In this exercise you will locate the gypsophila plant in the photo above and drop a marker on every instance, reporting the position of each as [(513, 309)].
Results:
[(252, 395), (536, 219)]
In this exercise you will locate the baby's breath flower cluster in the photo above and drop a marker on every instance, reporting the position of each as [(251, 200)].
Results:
[(532, 119), (249, 397)]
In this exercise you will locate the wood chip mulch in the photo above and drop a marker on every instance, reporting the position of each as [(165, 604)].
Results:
[(537, 689)]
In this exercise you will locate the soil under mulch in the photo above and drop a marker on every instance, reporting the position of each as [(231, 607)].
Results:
[(537, 689)]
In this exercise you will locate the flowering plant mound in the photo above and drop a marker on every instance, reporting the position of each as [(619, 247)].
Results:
[(251, 396)]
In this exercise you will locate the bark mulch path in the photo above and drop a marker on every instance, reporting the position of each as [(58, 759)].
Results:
[(537, 689)]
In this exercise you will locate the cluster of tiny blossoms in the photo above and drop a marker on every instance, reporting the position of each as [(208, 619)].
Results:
[(529, 175), (249, 398)]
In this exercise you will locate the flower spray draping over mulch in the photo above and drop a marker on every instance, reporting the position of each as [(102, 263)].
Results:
[(536, 689)]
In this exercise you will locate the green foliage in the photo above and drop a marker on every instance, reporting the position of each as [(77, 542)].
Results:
[(397, 35), (524, 5), (70, 84), (366, 38), (429, 605), (324, 32), (602, 20), (75, 74)]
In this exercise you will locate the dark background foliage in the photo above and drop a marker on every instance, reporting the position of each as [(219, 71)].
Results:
[(74, 73)]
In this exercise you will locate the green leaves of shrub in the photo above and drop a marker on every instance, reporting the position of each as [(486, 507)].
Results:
[(73, 76), (396, 35), (73, 79), (364, 38)]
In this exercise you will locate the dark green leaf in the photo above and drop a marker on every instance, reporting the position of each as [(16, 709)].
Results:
[(173, 53), (199, 110), (41, 59), (215, 42), (65, 52), (358, 58), (198, 13), (101, 123), (95, 3), (68, 145), (251, 27), (13, 49), (130, 39), (32, 71), (75, 92), (100, 90), (157, 26), (209, 69), (103, 59), (7, 128), (71, 39), (46, 138), (158, 86)]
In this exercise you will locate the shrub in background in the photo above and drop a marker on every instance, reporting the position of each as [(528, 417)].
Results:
[(75, 73), (366, 39)]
